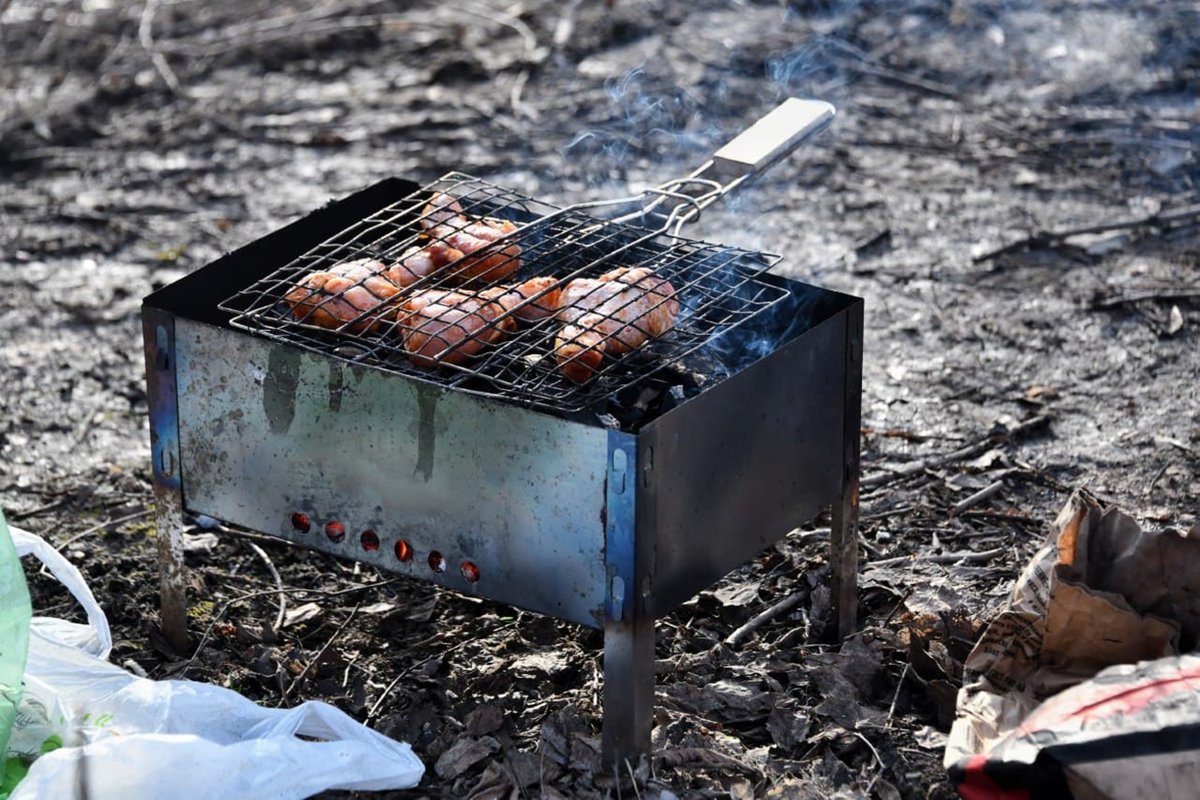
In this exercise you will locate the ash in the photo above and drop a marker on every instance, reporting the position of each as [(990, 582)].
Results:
[(1011, 186)]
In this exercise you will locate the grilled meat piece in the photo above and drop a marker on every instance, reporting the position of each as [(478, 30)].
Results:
[(446, 327), (611, 315), (355, 292), (421, 262), (467, 253), (512, 297)]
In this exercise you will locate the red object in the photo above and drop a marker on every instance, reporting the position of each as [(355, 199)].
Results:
[(404, 551), (976, 784), (370, 541), (301, 522), (469, 571), (335, 530), (437, 562)]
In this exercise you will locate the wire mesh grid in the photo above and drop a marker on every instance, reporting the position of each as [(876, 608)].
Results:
[(498, 349)]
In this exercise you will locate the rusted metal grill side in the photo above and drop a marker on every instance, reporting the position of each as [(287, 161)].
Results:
[(718, 288)]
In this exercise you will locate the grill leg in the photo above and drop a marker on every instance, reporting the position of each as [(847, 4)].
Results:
[(844, 532), (172, 575), (628, 690), (158, 332)]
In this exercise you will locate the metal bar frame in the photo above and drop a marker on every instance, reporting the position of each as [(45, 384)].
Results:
[(843, 537), (628, 623), (158, 336)]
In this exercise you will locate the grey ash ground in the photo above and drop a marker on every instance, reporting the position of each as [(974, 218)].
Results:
[(137, 143)]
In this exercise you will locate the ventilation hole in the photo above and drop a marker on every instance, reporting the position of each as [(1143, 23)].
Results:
[(301, 522), (335, 530), (469, 571), (404, 551), (437, 562), (370, 541)]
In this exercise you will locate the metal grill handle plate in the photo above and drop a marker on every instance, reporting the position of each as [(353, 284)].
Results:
[(774, 135)]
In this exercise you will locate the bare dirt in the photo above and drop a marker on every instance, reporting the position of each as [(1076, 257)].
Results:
[(977, 143)]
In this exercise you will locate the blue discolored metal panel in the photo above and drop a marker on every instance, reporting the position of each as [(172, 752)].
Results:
[(620, 531), (158, 330)]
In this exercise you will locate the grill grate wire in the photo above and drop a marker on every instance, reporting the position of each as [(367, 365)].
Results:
[(718, 288)]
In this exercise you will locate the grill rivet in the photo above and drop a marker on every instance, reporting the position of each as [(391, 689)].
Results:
[(301, 522), (469, 571), (370, 541), (335, 530), (404, 551), (437, 562)]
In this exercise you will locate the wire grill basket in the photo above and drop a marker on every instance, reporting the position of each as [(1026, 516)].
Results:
[(716, 287)]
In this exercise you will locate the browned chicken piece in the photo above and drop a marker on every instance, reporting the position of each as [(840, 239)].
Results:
[(356, 292), (512, 298), (421, 262), (467, 254), (445, 327), (440, 209), (611, 315)]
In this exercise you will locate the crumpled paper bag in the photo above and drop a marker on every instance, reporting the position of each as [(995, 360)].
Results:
[(1101, 592)]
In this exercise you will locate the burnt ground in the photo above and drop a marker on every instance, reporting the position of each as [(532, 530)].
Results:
[(1011, 186)]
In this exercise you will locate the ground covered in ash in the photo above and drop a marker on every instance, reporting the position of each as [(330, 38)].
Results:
[(1011, 186)]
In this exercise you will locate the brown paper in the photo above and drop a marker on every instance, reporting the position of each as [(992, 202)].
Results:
[(1103, 592)]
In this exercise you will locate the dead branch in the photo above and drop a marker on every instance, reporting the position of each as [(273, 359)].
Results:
[(983, 494), (1042, 239), (107, 523), (782, 607), (146, 38), (1142, 295), (910, 470), (296, 681), (964, 557), (266, 559)]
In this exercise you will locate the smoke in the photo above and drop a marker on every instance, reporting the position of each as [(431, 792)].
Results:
[(654, 127), (766, 332)]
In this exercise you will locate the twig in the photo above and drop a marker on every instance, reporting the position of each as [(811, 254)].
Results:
[(629, 768), (407, 670), (965, 557), (295, 681), (565, 27), (783, 606), (878, 760), (17, 516), (507, 20), (230, 603), (909, 470), (905, 79), (213, 622), (1050, 238), (146, 37), (1165, 293), (900, 685), (145, 512), (278, 585), (1172, 442), (978, 497)]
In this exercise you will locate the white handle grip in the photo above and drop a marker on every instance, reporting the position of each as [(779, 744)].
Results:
[(773, 136)]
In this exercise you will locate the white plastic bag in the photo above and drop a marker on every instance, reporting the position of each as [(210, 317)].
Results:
[(127, 737)]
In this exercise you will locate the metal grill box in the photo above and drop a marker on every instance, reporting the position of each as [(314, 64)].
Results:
[(555, 513)]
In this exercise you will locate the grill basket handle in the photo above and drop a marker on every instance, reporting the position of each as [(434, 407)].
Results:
[(772, 137), (677, 202)]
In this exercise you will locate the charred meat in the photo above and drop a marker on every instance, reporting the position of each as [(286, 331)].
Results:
[(464, 249), (609, 316), (355, 294), (532, 301), (447, 327)]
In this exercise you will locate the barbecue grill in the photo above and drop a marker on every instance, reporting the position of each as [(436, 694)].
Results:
[(606, 502)]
